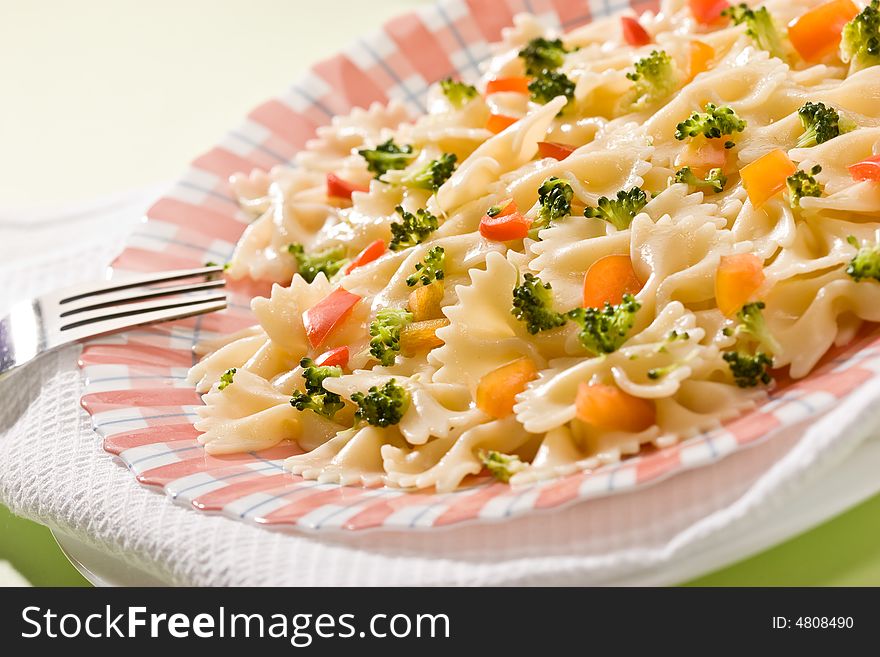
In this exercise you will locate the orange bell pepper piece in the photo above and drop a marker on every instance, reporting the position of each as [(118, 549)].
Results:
[(816, 33), (608, 279), (765, 177), (609, 408), (497, 390), (737, 279)]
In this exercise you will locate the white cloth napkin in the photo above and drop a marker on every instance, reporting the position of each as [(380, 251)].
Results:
[(53, 470)]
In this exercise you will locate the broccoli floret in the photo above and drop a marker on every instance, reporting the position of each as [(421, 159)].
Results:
[(457, 93), (860, 39), (759, 26), (501, 466), (748, 371), (432, 175), (753, 327), (413, 229), (547, 85), (316, 398), (714, 123), (621, 211), (801, 184), (431, 269), (387, 156), (555, 196), (654, 77), (866, 262), (385, 330), (329, 261), (656, 373), (821, 123), (714, 180), (603, 330), (533, 304), (226, 378), (543, 55), (383, 406)]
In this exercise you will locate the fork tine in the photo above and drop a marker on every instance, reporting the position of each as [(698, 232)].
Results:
[(125, 296), (119, 323), (127, 310), (80, 292)]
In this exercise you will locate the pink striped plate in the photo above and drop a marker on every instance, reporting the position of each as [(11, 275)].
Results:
[(136, 391)]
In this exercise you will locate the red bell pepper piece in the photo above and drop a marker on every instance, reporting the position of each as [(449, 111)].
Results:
[(868, 169), (633, 32), (339, 188), (327, 314), (338, 357), (554, 149), (708, 11), (372, 252), (516, 85), (508, 224)]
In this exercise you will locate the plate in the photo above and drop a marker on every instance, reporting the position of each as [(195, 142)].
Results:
[(136, 392)]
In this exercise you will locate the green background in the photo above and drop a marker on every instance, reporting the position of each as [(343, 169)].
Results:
[(842, 552)]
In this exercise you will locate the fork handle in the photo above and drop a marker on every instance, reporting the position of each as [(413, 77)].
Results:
[(12, 355)]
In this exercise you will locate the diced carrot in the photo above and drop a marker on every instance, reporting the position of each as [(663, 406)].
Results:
[(320, 320), (816, 32), (519, 85), (505, 227), (700, 56), (339, 188), (737, 279), (609, 408), (424, 302), (633, 32), (421, 336), (868, 169), (608, 279), (765, 177), (372, 252), (554, 149), (338, 357), (708, 11), (498, 122), (497, 390)]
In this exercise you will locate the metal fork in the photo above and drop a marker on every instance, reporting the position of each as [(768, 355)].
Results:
[(40, 325)]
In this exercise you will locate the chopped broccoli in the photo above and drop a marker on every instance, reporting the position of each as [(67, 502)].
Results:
[(656, 373), (457, 93), (413, 229), (329, 261), (749, 370), (431, 270), (801, 184), (654, 77), (555, 196), (860, 39), (753, 327), (432, 175), (759, 26), (383, 406), (821, 123), (621, 211), (866, 262), (547, 85), (226, 378), (385, 330), (715, 179), (387, 156), (316, 398), (603, 330), (501, 466), (543, 55), (533, 304), (714, 123)]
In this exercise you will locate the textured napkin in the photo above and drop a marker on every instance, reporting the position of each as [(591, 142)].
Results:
[(53, 470)]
